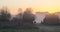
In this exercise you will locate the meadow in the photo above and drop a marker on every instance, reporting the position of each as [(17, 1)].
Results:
[(42, 28)]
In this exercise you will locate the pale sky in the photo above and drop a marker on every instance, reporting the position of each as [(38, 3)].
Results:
[(37, 5)]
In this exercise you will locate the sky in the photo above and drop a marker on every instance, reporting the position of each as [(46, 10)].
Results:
[(50, 6)]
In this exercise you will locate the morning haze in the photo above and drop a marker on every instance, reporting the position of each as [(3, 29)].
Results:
[(29, 15)]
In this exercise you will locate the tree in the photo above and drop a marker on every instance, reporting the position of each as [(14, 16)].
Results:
[(20, 15), (4, 15), (18, 19), (28, 16), (51, 19)]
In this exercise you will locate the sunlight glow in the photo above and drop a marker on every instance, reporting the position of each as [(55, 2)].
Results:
[(50, 6)]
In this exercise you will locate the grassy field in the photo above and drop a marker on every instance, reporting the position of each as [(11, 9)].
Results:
[(42, 28), (19, 30)]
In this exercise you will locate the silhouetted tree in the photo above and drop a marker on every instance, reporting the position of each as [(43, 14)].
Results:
[(20, 15), (18, 19), (4, 15), (28, 16), (51, 19)]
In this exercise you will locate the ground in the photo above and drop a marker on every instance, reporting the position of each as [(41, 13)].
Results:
[(42, 28)]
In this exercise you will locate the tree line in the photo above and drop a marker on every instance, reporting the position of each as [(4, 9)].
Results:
[(25, 19), (22, 20)]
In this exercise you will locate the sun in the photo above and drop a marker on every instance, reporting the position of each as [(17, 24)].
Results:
[(51, 12)]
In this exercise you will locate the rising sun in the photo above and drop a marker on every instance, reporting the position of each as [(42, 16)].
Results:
[(51, 12)]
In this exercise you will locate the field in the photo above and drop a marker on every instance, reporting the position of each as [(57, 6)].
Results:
[(42, 28), (49, 28)]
